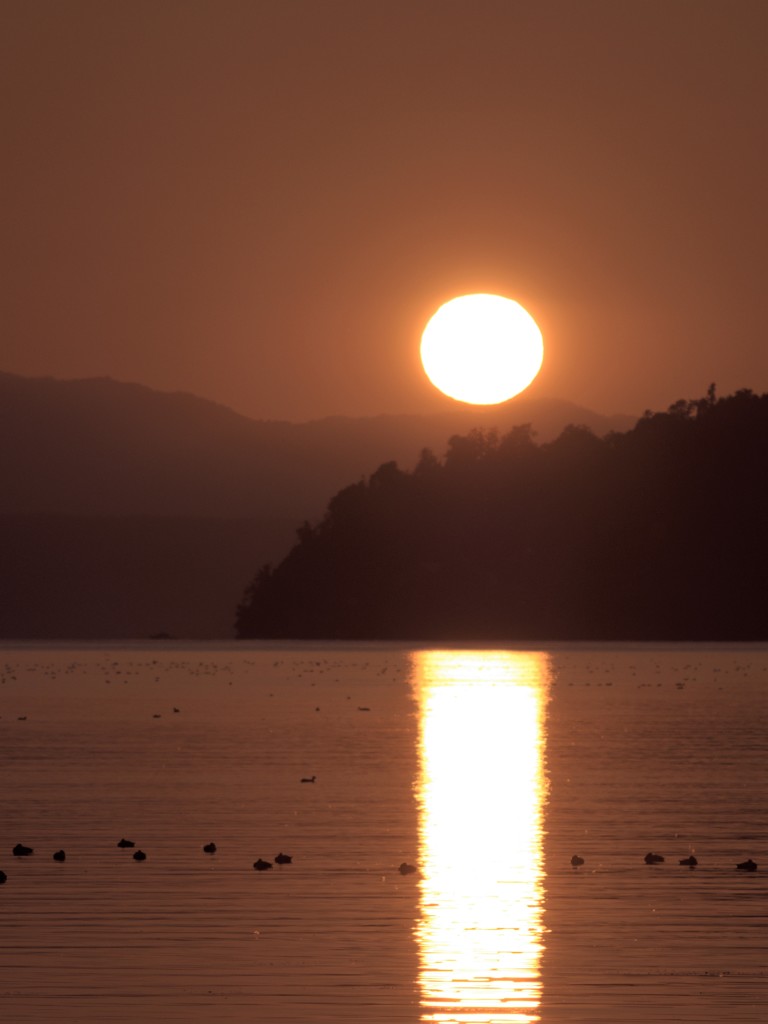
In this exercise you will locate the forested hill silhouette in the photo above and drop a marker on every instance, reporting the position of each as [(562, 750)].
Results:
[(126, 511), (657, 533)]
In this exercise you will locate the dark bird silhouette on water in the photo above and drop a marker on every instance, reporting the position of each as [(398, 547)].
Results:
[(139, 855), (126, 844), (209, 848), (654, 858), (407, 869), (283, 858), (3, 877), (576, 861), (20, 850), (310, 779), (262, 865), (747, 865), (60, 855), (689, 862)]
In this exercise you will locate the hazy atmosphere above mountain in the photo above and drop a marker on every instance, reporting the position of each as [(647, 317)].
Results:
[(263, 202)]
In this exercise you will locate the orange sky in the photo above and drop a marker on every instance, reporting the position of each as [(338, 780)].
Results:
[(263, 201)]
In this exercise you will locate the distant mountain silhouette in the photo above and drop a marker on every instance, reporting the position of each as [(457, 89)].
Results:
[(126, 512), (658, 533), (100, 447)]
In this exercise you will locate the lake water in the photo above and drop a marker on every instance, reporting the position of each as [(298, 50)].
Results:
[(487, 770)]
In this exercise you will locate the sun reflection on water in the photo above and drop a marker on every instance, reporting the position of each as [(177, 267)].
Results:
[(481, 794)]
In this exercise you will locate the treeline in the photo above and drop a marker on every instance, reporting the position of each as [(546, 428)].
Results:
[(658, 533)]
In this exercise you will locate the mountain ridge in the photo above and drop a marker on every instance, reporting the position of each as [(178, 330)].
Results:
[(97, 446), (126, 511)]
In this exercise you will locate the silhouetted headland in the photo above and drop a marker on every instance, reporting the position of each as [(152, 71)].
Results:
[(178, 498), (657, 533)]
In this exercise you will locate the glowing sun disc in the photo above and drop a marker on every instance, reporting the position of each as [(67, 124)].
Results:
[(481, 349)]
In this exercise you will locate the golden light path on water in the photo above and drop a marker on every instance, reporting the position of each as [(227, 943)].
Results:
[(481, 792)]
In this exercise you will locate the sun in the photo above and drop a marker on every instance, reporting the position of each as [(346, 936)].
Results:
[(481, 349)]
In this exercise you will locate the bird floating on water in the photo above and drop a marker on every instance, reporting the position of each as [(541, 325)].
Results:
[(689, 862), (60, 855), (576, 861), (747, 865), (310, 779), (407, 869), (209, 848), (283, 858), (20, 850), (125, 844), (3, 877), (139, 855), (262, 865), (654, 858)]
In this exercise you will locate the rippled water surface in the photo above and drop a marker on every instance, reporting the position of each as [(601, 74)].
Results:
[(484, 770)]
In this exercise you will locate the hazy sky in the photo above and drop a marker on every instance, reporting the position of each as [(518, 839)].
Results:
[(263, 201)]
